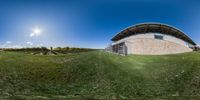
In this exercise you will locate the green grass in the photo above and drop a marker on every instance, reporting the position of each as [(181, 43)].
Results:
[(98, 74)]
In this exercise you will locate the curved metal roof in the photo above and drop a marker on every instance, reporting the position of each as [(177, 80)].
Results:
[(152, 27)]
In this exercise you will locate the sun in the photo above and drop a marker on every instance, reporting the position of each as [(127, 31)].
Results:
[(37, 31)]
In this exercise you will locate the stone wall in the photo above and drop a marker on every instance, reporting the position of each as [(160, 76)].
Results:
[(146, 44), (154, 47)]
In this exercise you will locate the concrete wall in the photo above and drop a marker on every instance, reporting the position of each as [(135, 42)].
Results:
[(146, 44)]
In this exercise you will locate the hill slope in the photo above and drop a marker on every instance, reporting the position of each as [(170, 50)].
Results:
[(99, 75)]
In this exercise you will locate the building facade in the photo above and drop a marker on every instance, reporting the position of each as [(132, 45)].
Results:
[(151, 39)]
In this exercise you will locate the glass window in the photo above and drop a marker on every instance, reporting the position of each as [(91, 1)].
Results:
[(158, 37)]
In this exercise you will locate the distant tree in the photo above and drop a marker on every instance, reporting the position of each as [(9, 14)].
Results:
[(66, 48), (44, 48), (58, 48), (51, 48)]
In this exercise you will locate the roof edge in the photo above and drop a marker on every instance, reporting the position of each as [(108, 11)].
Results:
[(154, 23)]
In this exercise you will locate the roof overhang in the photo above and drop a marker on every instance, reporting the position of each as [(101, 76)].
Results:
[(152, 28)]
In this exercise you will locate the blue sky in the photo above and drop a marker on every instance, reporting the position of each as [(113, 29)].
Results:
[(89, 23)]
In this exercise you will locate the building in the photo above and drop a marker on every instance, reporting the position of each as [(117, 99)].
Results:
[(151, 39)]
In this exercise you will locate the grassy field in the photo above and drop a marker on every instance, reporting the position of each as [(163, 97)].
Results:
[(98, 74)]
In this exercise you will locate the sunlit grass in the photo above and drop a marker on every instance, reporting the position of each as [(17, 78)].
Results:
[(98, 75)]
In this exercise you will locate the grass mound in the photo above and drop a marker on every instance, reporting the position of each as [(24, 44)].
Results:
[(99, 75)]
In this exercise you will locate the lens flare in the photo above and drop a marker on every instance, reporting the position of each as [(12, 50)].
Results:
[(36, 32)]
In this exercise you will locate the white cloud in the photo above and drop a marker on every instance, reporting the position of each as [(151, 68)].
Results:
[(8, 42), (29, 43)]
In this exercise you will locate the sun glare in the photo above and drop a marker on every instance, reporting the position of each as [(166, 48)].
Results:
[(36, 32)]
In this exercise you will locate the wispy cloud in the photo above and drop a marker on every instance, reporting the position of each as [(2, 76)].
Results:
[(11, 44), (29, 43), (8, 42)]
